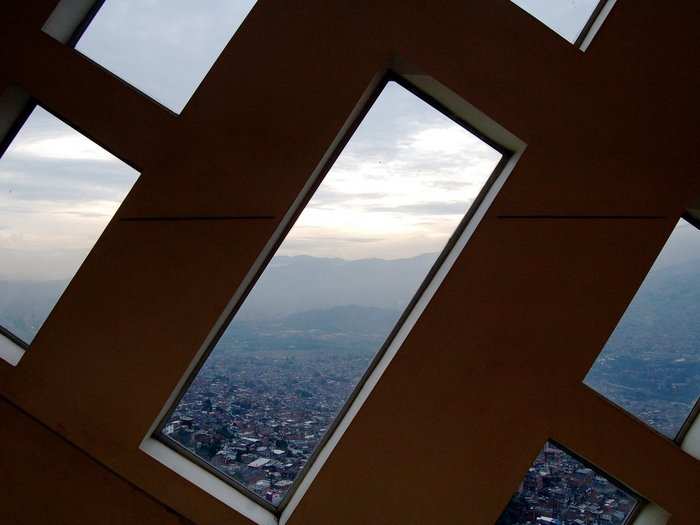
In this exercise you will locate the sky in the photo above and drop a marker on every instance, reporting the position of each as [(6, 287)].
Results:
[(682, 247), (162, 47), (566, 17), (58, 191), (398, 189)]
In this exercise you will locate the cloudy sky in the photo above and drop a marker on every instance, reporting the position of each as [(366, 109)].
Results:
[(400, 187), (163, 47), (58, 190)]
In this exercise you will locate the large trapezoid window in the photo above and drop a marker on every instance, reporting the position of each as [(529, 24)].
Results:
[(58, 191), (324, 308), (650, 365)]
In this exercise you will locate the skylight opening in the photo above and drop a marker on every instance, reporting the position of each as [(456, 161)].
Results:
[(296, 351), (58, 191), (571, 19), (561, 488), (164, 48), (650, 365)]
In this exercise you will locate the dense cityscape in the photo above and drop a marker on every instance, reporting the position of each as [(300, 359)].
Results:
[(262, 402), (265, 397), (268, 393), (660, 391), (560, 490), (258, 418)]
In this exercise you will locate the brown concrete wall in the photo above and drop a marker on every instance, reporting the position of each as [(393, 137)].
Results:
[(46, 480), (495, 364)]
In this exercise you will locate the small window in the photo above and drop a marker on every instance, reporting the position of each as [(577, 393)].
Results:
[(58, 191), (650, 366), (164, 48), (560, 488), (569, 18), (327, 303)]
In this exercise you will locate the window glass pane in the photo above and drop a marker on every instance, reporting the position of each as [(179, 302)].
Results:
[(331, 295), (566, 17), (162, 47), (650, 366), (560, 489), (58, 191)]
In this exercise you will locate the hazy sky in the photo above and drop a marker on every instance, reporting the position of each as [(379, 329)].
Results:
[(166, 47), (402, 184), (683, 246), (163, 47), (58, 190), (399, 188)]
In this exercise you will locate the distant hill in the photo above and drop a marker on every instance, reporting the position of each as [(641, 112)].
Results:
[(289, 285), (664, 317), (651, 364), (339, 296), (350, 319), (296, 284)]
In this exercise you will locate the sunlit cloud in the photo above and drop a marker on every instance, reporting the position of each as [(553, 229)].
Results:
[(399, 189), (65, 147), (448, 140), (408, 195)]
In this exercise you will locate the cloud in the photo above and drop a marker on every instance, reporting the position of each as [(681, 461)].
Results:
[(450, 185), (40, 179), (404, 181), (58, 190), (64, 147), (49, 161), (327, 196), (400, 187), (430, 208)]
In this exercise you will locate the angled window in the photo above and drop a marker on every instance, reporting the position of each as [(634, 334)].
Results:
[(571, 19), (562, 489), (164, 48), (330, 299), (58, 191), (650, 366)]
